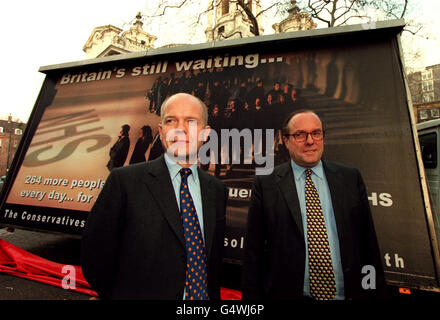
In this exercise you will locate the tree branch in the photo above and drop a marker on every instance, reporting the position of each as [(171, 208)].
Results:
[(251, 17), (178, 6)]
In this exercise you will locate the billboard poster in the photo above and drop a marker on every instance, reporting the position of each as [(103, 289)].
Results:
[(105, 115)]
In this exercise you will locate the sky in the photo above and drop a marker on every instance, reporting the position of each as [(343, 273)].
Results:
[(47, 32)]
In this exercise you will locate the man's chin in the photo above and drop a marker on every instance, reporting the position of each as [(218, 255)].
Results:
[(307, 162), (182, 156)]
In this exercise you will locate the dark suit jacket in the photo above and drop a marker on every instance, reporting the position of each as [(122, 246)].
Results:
[(133, 244), (274, 262)]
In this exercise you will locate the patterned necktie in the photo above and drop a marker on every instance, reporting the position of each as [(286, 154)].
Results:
[(196, 284), (322, 278)]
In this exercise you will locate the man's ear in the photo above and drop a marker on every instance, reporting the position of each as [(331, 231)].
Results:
[(159, 128), (285, 140)]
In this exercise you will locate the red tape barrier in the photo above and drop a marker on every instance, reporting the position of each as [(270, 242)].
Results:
[(18, 262)]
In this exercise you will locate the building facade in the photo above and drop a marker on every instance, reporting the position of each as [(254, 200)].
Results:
[(110, 40), (424, 86), (10, 135), (297, 20), (226, 20)]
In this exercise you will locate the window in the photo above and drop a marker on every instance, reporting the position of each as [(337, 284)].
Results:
[(427, 85), (221, 29), (1, 129), (428, 143), (427, 75), (18, 132), (225, 7), (435, 113), (423, 114), (428, 97)]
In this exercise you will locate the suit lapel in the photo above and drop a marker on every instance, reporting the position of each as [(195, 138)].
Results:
[(208, 206), (158, 181), (288, 189)]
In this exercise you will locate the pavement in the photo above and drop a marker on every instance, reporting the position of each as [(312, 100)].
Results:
[(66, 249)]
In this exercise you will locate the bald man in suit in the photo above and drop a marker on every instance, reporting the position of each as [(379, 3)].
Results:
[(134, 245)]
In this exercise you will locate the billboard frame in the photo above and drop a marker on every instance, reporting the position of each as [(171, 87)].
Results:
[(433, 234), (393, 27)]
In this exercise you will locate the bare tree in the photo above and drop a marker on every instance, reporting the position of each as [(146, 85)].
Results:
[(340, 12), (204, 8), (329, 12)]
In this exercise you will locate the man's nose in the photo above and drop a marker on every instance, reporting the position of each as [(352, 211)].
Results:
[(309, 139), (181, 125)]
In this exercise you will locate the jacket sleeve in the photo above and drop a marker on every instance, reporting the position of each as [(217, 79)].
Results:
[(254, 247), (99, 243), (218, 244)]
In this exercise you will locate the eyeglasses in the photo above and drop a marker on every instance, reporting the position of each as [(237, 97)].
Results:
[(302, 136)]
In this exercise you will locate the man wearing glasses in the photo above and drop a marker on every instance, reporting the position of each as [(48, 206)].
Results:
[(310, 233)]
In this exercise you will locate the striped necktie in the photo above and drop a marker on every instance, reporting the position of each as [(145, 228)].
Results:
[(322, 278), (196, 283)]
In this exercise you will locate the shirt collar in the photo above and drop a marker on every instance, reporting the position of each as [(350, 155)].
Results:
[(174, 168), (298, 171)]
